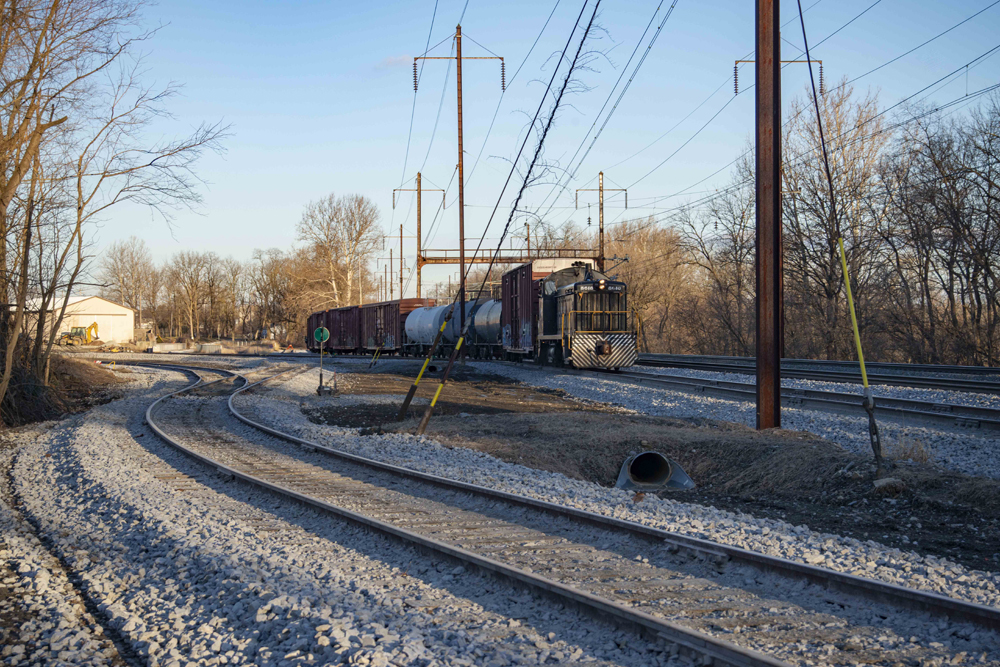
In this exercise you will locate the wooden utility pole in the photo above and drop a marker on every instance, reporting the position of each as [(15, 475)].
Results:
[(461, 183), (420, 250), (770, 330), (600, 214), (461, 174), (401, 261)]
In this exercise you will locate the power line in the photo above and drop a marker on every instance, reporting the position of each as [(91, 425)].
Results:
[(542, 137), (957, 101), (504, 91), (744, 154), (730, 100), (571, 174), (413, 109)]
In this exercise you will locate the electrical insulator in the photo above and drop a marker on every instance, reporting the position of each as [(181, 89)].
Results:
[(414, 76), (503, 75), (736, 79), (822, 84)]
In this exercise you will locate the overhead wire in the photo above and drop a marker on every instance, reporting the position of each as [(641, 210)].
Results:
[(541, 139), (503, 92), (850, 81), (413, 110), (965, 98), (570, 174)]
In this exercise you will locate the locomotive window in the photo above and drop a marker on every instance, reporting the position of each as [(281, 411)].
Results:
[(602, 301), (602, 311)]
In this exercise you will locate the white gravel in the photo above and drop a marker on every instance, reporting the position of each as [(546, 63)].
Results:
[(280, 406), (191, 569), (43, 619), (888, 391)]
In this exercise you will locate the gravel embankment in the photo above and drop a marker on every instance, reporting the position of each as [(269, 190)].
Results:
[(187, 567), (962, 451), (280, 406), (43, 620)]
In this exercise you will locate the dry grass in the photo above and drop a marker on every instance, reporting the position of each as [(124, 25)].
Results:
[(908, 449)]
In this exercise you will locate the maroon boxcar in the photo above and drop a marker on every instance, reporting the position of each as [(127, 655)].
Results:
[(519, 292), (519, 314), (311, 327), (344, 326), (382, 323)]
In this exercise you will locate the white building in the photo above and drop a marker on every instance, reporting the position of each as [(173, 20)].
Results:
[(115, 322)]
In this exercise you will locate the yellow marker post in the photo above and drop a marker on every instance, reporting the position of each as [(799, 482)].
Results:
[(444, 380), (427, 361), (854, 319), (869, 398)]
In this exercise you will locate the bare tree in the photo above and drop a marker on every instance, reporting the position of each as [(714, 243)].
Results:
[(341, 234), (812, 263), (125, 269)]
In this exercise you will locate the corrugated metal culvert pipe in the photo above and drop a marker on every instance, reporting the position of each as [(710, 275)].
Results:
[(652, 470)]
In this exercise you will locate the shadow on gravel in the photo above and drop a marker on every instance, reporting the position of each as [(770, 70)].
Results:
[(493, 595)]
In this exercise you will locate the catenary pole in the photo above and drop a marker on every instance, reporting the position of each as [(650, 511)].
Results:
[(461, 183), (768, 232)]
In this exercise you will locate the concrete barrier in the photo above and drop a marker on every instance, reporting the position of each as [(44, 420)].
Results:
[(169, 347)]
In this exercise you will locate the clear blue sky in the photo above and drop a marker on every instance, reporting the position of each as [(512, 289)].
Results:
[(319, 95)]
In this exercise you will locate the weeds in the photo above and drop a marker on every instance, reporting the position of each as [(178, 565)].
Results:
[(909, 449)]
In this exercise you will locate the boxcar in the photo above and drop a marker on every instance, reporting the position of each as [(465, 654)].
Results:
[(382, 324), (344, 326)]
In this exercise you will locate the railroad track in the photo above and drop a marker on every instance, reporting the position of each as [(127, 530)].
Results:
[(716, 604), (839, 371), (908, 411), (800, 369), (898, 409)]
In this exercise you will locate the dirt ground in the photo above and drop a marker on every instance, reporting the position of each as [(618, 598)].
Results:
[(794, 476)]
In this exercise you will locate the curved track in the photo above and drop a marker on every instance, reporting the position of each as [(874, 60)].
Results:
[(691, 592)]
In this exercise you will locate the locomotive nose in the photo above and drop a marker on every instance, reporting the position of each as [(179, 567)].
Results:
[(602, 348)]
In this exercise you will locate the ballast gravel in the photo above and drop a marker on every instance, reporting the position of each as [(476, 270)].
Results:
[(188, 568), (280, 404), (43, 619)]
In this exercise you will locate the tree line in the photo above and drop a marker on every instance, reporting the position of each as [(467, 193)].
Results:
[(918, 209), (200, 295)]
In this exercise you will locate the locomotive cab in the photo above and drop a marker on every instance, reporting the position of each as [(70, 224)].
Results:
[(583, 320)]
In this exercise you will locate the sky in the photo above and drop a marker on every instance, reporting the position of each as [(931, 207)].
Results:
[(319, 97)]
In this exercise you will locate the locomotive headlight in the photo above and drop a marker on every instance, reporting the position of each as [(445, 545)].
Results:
[(601, 284)]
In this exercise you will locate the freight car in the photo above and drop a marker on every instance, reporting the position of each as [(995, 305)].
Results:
[(575, 315), (364, 329)]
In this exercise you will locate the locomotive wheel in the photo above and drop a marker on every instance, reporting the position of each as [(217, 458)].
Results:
[(554, 355)]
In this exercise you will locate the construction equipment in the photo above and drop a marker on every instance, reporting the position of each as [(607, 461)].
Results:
[(79, 335)]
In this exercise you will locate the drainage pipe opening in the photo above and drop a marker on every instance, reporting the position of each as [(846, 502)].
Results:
[(652, 470), (649, 468)]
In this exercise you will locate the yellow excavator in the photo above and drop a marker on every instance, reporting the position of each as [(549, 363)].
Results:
[(79, 335)]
